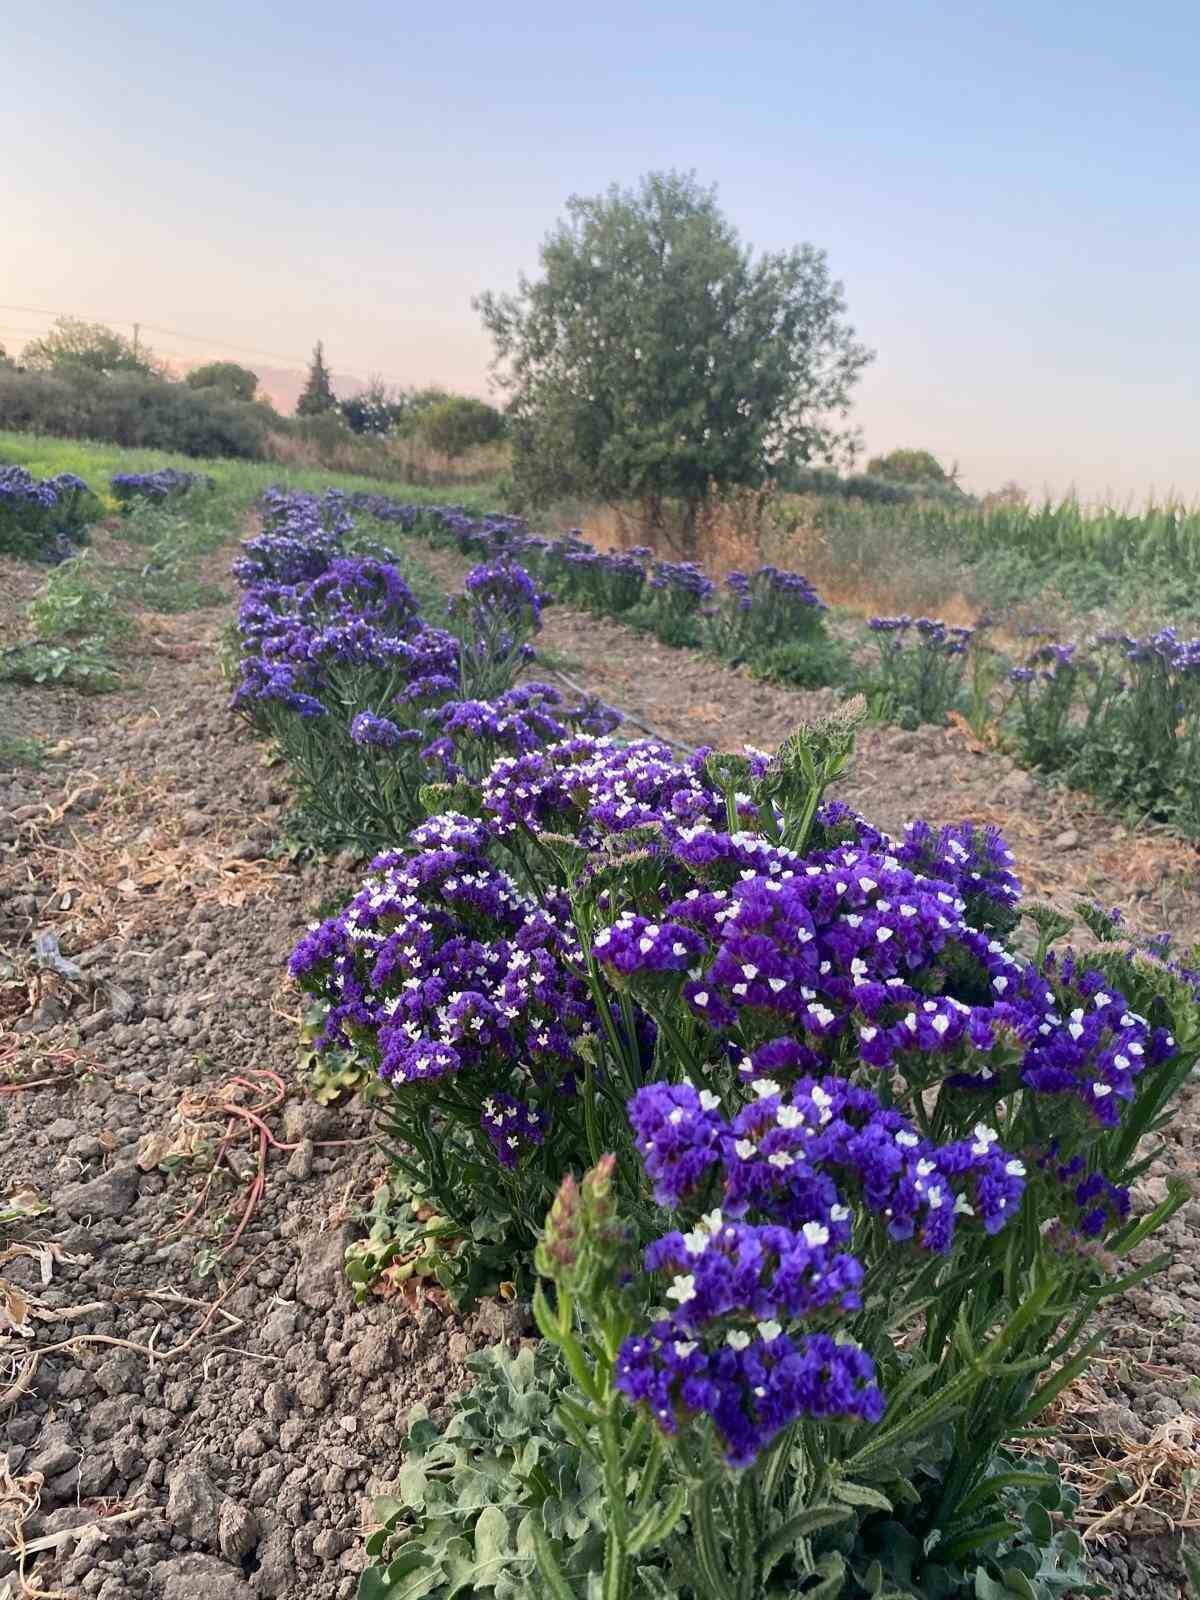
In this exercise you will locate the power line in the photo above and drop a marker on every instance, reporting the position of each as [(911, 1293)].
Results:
[(159, 350), (172, 333), (296, 363)]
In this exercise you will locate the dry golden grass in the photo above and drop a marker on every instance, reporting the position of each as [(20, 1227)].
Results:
[(405, 460), (740, 529), (1125, 1485)]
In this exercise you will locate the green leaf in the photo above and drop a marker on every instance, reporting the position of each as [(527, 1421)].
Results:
[(799, 1527), (491, 1535), (406, 1578), (987, 1587), (1037, 1520), (412, 1484), (976, 1539), (548, 1566), (832, 1571), (991, 1486), (657, 1524), (1016, 1582), (861, 1494)]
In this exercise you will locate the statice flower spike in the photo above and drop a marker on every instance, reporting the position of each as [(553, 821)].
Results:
[(584, 1238)]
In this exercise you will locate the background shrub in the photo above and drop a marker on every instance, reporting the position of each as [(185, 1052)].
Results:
[(133, 410), (457, 424), (227, 377)]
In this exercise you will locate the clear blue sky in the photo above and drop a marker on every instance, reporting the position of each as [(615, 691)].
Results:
[(1009, 191)]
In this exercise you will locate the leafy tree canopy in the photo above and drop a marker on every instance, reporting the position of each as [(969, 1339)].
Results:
[(457, 424), (656, 355), (376, 409), (231, 379), (910, 466), (317, 396), (72, 342)]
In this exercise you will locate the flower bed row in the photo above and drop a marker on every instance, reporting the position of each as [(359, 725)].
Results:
[(859, 1170), (369, 700), (771, 619), (859, 1162), (44, 519), (1119, 716), (168, 483)]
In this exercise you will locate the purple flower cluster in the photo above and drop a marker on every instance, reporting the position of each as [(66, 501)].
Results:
[(379, 733), (1165, 648), (753, 1389), (783, 603), (1087, 1043), (502, 586), (512, 1126), (519, 720), (683, 578), (43, 518), (837, 951), (333, 643), (168, 483), (935, 636), (1101, 1206), (440, 968), (804, 1155), (976, 860), (591, 788), (735, 1287)]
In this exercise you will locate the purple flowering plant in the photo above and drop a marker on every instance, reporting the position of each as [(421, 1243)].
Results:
[(168, 483), (367, 699), (44, 519), (846, 1112), (761, 611), (922, 665), (1118, 715)]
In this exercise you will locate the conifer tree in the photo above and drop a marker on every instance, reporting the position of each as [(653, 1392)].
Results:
[(318, 395)]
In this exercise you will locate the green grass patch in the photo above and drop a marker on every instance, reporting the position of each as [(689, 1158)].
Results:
[(237, 484), (16, 751)]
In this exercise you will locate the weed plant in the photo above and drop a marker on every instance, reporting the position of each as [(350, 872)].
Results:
[(17, 751), (76, 603), (85, 664)]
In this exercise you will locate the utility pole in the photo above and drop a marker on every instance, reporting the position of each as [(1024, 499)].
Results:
[(136, 330)]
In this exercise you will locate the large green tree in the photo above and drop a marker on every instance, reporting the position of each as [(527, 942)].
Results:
[(317, 396), (229, 378), (656, 355), (71, 342), (457, 424), (910, 466)]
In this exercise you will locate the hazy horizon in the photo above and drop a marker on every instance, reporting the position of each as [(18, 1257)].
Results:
[(1007, 194)]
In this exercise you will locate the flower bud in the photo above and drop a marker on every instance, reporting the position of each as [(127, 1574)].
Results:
[(584, 1236)]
